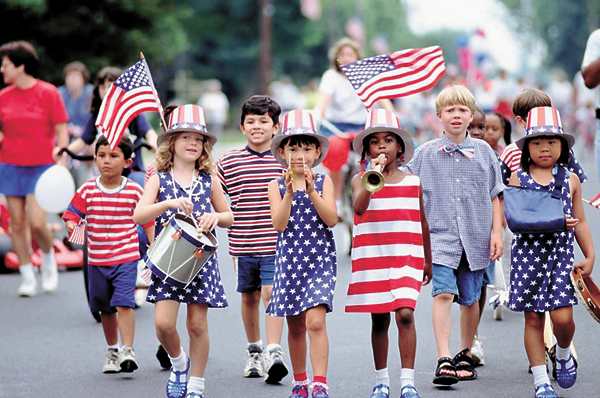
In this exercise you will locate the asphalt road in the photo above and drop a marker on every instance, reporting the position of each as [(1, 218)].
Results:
[(52, 347)]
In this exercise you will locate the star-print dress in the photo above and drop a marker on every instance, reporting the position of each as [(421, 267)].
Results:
[(305, 261), (541, 262), (206, 288)]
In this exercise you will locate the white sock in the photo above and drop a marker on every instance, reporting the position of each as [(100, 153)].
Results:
[(258, 343), (539, 375), (114, 347), (26, 271), (195, 384), (273, 346), (179, 363), (407, 376), (48, 260), (563, 354), (382, 376)]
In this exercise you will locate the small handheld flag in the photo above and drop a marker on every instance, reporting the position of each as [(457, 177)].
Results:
[(78, 234), (594, 202)]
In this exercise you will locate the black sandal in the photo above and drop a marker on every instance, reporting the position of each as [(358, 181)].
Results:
[(465, 363), (445, 363)]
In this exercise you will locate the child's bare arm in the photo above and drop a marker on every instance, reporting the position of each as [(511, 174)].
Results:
[(325, 204), (70, 225), (496, 242), (223, 216), (427, 268), (582, 229), (280, 207)]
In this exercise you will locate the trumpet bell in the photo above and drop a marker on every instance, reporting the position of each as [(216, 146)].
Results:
[(373, 180)]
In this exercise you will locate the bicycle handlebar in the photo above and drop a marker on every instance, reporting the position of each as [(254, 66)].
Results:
[(91, 157)]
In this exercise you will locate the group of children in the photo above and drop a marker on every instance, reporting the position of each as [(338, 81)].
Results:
[(438, 219)]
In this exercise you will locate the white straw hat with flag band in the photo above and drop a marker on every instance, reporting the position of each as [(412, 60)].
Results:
[(382, 120), (544, 121), (187, 118), (294, 123)]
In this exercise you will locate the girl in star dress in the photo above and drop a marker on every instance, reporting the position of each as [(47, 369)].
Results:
[(541, 262), (303, 211), (184, 184), (391, 250)]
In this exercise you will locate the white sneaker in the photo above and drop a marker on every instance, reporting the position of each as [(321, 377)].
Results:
[(112, 362), (127, 360), (28, 287), (49, 278), (254, 366), (477, 352), (273, 365), (140, 296)]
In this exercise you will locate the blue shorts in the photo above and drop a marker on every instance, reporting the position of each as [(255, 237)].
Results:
[(19, 181), (112, 286), (463, 283), (253, 272), (488, 275)]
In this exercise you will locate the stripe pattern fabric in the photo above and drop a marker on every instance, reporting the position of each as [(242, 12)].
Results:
[(387, 250), (245, 176)]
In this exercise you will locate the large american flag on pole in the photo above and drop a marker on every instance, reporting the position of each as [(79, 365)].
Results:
[(396, 74), (131, 94)]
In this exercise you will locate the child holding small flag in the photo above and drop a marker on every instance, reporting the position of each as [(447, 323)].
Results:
[(107, 204), (461, 181), (303, 211)]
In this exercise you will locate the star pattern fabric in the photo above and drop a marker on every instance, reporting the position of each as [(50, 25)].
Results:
[(305, 264), (207, 287), (541, 263)]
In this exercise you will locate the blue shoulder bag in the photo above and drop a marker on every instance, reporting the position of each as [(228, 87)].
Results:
[(533, 210)]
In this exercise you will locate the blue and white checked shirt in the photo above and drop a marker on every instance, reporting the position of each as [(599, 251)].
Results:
[(458, 195)]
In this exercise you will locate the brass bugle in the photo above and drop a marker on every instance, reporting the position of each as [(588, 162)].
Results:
[(373, 179)]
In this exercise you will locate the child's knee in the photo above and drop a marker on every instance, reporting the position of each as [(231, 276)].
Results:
[(163, 327), (315, 325), (405, 317), (197, 328)]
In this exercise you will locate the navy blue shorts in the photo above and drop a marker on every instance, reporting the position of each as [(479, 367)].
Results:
[(19, 181), (253, 272), (463, 283), (488, 275), (112, 286)]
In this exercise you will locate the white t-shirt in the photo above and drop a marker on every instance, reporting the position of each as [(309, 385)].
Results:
[(345, 106), (215, 106), (592, 53)]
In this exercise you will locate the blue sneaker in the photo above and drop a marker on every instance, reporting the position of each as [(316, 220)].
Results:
[(300, 391), (409, 391), (319, 391), (178, 388), (545, 391), (381, 391), (566, 377), (194, 395)]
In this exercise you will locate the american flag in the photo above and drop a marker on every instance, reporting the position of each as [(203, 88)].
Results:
[(131, 94), (396, 74), (596, 202), (78, 234)]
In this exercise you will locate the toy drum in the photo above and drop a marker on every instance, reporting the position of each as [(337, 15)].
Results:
[(587, 291), (178, 254)]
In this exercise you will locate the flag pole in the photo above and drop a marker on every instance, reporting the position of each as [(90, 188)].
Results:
[(162, 118)]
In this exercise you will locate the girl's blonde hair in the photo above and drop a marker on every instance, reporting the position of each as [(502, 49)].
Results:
[(166, 153), (336, 49), (456, 94)]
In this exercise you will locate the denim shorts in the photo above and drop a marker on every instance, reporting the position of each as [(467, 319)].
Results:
[(488, 275), (253, 272), (19, 181), (112, 286), (463, 283)]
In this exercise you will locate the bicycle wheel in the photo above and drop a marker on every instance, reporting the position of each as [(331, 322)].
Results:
[(96, 315)]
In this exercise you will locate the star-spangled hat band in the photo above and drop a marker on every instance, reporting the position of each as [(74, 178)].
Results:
[(298, 122), (187, 118), (382, 120), (544, 121)]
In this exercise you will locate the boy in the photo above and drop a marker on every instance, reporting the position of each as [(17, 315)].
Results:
[(461, 181), (107, 204), (245, 175)]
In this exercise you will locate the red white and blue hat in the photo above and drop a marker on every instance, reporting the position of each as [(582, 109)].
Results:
[(298, 122), (382, 120), (187, 118), (542, 121)]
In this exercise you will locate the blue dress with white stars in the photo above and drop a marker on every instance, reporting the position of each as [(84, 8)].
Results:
[(305, 261), (541, 263), (206, 288)]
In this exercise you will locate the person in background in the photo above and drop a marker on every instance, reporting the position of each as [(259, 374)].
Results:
[(216, 107), (590, 69)]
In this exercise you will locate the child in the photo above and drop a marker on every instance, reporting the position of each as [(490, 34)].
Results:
[(461, 181), (303, 211), (107, 204), (539, 276), (391, 252), (245, 175), (497, 126), (184, 184), (477, 127)]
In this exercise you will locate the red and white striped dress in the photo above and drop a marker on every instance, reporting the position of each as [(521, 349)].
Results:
[(387, 250)]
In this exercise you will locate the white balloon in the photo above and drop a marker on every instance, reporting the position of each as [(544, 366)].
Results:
[(55, 189)]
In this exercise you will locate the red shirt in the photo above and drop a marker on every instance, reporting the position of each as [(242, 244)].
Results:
[(29, 118)]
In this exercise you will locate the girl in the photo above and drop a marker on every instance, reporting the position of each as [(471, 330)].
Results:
[(303, 211), (541, 263), (497, 126), (184, 184), (391, 253), (477, 126)]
